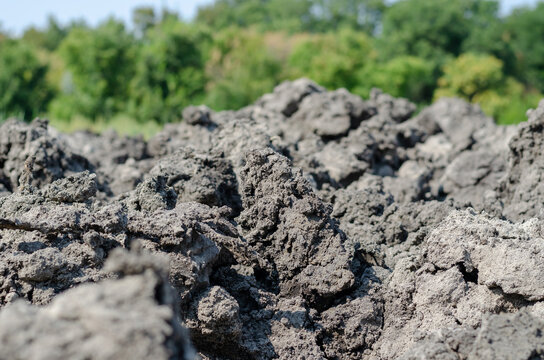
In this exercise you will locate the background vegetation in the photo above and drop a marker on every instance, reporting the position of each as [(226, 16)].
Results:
[(138, 76)]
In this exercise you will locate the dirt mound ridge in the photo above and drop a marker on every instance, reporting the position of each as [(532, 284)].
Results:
[(310, 225)]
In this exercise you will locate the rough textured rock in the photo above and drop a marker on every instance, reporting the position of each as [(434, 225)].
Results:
[(330, 114), (457, 119), (134, 317), (312, 224), (511, 336), (287, 96), (477, 243), (522, 188), (198, 115), (196, 176), (52, 159), (194, 237), (52, 240), (398, 109), (291, 228)]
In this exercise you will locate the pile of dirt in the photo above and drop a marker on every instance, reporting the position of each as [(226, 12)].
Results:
[(310, 225)]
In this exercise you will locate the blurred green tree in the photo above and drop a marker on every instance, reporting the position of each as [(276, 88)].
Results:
[(143, 19), (294, 15), (48, 38), (525, 33), (480, 79), (264, 14), (488, 35), (470, 75), (3, 35), (170, 73), (403, 76), (332, 59), (240, 69), (100, 65), (360, 15), (433, 30), (24, 91)]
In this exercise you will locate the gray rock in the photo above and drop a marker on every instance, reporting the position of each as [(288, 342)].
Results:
[(478, 243), (196, 176), (287, 96), (521, 188), (198, 115), (398, 109), (284, 221), (309, 225), (504, 336), (52, 159), (132, 317), (330, 114)]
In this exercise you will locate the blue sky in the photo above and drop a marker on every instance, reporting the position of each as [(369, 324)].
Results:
[(19, 14)]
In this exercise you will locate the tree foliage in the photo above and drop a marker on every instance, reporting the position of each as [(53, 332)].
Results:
[(241, 68), (433, 30), (169, 72), (403, 76), (470, 75), (51, 37), (480, 79), (100, 65), (294, 15), (331, 59), (235, 50), (23, 87), (143, 19), (525, 33)]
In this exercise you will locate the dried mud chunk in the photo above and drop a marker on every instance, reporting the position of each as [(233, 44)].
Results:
[(98, 321), (514, 336), (42, 265), (194, 237), (39, 266), (286, 223), (152, 194), (52, 241), (198, 115), (398, 109), (457, 119), (215, 323), (79, 187), (421, 298), (503, 336), (380, 229), (523, 188), (120, 161), (479, 243), (444, 344), (109, 148), (293, 331), (473, 176), (245, 132), (287, 96), (350, 158), (331, 114), (53, 159), (219, 312), (196, 176), (351, 329)]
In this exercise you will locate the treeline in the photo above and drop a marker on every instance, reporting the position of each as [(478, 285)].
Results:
[(236, 50)]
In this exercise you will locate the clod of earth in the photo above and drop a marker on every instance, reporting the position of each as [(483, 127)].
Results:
[(310, 225)]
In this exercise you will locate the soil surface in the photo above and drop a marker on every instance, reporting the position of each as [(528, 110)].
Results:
[(310, 225)]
